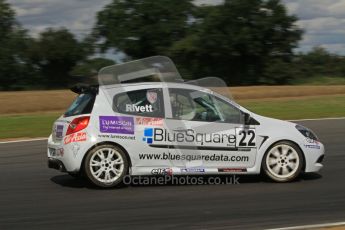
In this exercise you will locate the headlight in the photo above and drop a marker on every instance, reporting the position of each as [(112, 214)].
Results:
[(307, 132)]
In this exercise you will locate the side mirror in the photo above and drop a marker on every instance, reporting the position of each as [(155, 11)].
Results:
[(247, 118)]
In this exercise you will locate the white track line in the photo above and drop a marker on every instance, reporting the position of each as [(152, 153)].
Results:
[(311, 226), (320, 119), (26, 140), (316, 119)]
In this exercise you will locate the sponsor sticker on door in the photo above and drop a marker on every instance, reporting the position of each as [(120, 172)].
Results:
[(149, 121), (192, 170), (228, 170), (161, 171), (116, 124)]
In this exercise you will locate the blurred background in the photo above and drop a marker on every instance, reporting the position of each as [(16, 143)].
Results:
[(284, 59)]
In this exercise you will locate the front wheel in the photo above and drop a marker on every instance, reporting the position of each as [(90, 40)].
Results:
[(106, 165), (283, 162)]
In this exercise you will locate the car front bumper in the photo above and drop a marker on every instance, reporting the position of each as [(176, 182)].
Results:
[(314, 155)]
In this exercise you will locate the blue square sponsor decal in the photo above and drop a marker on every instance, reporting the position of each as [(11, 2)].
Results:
[(148, 133)]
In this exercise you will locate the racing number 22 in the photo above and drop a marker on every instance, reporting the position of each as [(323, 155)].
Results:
[(246, 137)]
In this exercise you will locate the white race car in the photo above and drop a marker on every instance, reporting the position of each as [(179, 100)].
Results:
[(127, 127)]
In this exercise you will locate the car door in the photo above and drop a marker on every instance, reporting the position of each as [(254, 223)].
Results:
[(205, 133), (146, 108)]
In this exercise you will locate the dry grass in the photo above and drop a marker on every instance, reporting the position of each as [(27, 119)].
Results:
[(58, 100), (35, 101), (258, 92)]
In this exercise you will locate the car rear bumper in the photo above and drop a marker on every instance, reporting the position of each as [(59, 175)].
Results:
[(56, 164), (62, 157)]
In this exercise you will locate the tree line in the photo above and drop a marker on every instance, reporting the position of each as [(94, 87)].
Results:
[(245, 42)]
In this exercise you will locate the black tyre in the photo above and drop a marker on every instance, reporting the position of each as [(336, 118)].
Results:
[(283, 161), (106, 165)]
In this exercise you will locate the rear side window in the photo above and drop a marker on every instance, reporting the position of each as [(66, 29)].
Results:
[(145, 102), (83, 104)]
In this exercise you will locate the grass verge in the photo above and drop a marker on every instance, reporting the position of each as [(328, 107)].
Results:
[(26, 126), (298, 108), (39, 125)]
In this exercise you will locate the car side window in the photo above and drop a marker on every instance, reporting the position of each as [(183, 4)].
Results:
[(230, 114), (192, 105), (144, 102)]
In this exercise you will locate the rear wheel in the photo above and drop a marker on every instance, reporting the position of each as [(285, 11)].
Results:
[(106, 165), (283, 162)]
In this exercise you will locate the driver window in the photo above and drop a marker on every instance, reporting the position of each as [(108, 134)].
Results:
[(192, 105)]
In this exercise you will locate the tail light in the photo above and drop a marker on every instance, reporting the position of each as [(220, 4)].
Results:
[(78, 124)]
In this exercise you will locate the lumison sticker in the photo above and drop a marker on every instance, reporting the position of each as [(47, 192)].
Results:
[(116, 124)]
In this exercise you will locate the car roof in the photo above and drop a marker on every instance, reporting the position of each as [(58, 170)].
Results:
[(143, 85)]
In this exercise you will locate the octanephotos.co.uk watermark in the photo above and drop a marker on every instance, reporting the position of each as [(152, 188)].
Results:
[(181, 180)]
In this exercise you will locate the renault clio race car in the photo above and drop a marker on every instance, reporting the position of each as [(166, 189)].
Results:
[(127, 127)]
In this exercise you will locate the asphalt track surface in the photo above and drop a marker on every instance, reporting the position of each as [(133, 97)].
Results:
[(35, 197)]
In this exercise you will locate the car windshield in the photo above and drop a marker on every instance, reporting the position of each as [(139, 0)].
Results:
[(83, 104)]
